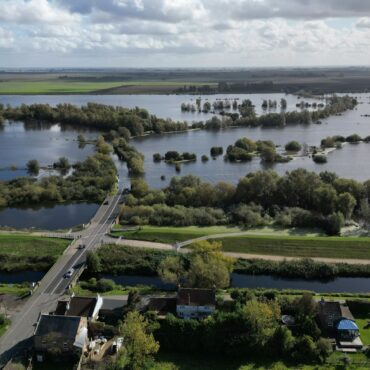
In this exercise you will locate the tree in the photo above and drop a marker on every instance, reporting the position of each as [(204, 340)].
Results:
[(207, 267), (93, 263), (139, 342), (293, 146), (268, 154), (172, 270), (261, 319), (33, 167), (334, 223), (346, 204)]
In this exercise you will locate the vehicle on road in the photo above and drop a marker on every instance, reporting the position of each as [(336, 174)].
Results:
[(81, 246), (69, 273), (106, 202)]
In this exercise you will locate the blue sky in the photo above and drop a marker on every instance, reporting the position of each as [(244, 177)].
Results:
[(183, 33)]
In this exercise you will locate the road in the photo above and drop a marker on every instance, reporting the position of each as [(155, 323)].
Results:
[(17, 338)]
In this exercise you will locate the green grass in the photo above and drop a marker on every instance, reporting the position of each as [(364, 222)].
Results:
[(186, 362), (53, 87), (329, 247), (173, 234), (29, 246), (364, 333), (16, 289), (57, 86)]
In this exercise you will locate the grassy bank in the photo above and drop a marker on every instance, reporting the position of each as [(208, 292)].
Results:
[(25, 252), (173, 234), (294, 246), (19, 290)]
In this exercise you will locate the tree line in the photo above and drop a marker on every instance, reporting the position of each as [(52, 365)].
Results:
[(99, 116), (90, 181), (297, 199)]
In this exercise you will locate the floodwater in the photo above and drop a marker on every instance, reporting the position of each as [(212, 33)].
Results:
[(20, 142)]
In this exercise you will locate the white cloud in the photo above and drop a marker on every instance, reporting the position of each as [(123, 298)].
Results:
[(183, 32)]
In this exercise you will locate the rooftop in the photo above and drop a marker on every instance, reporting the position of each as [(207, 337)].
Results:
[(196, 297), (67, 326)]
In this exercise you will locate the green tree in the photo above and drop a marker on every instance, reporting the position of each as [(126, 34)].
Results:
[(139, 342), (33, 167), (346, 204), (93, 264), (172, 270), (262, 319), (293, 146)]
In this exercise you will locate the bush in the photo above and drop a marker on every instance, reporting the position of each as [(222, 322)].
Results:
[(320, 158), (205, 158), (353, 138), (105, 285), (293, 146), (216, 150), (157, 157)]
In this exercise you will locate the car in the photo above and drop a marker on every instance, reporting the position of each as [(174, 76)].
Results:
[(106, 202), (69, 273), (81, 246)]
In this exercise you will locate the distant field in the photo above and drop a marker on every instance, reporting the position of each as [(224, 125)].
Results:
[(53, 87), (329, 247), (74, 86)]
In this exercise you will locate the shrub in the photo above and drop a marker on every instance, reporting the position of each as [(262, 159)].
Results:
[(157, 157), (353, 138), (216, 150), (205, 158), (293, 146), (320, 158), (105, 285)]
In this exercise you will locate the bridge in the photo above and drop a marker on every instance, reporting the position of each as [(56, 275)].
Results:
[(18, 338)]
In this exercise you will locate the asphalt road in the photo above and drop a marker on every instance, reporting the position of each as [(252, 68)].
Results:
[(17, 338)]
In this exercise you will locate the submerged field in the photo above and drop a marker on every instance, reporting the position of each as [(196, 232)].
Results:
[(24, 252)]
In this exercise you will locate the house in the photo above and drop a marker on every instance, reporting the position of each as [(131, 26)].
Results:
[(162, 305), (337, 320), (195, 303), (88, 307), (112, 309), (60, 337)]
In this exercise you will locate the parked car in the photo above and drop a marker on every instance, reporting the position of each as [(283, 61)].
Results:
[(69, 273)]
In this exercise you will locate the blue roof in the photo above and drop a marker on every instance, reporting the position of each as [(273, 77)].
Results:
[(346, 324)]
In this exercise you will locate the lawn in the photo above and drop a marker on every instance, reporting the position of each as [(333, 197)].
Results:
[(294, 246), (30, 246), (186, 362), (16, 289), (174, 234)]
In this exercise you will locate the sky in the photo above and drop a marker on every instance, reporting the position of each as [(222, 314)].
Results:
[(183, 33)]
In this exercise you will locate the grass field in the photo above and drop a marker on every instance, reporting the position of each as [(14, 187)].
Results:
[(329, 247), (60, 86), (186, 362), (174, 234), (30, 246), (53, 87)]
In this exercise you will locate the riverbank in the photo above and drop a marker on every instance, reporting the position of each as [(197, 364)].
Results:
[(258, 241), (19, 252)]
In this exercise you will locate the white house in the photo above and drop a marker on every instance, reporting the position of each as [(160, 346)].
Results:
[(195, 303)]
